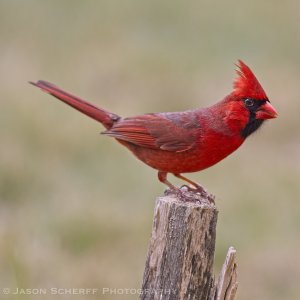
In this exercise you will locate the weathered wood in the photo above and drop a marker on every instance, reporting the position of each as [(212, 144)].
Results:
[(227, 284), (181, 252)]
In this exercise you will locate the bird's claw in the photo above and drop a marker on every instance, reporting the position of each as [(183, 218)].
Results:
[(196, 189), (187, 194), (201, 191)]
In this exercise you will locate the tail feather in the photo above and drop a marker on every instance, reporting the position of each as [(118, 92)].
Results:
[(96, 113)]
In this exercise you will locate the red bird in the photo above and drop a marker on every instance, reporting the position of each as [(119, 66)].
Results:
[(188, 141)]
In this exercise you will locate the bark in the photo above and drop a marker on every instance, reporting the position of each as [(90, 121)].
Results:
[(181, 252), (180, 257)]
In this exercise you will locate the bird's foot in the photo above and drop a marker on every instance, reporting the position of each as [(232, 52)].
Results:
[(196, 189), (189, 194), (200, 190)]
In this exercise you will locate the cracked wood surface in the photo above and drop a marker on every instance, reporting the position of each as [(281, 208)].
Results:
[(181, 251)]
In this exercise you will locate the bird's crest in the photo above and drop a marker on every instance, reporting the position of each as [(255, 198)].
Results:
[(246, 84)]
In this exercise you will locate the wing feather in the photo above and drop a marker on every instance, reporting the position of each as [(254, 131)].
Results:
[(166, 131)]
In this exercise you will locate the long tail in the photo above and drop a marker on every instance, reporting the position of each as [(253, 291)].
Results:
[(98, 114)]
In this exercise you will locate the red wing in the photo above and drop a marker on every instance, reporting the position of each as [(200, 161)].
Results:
[(167, 131)]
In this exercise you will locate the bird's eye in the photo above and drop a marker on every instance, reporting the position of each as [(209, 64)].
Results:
[(249, 102)]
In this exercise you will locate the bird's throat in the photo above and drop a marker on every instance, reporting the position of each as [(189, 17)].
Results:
[(252, 125)]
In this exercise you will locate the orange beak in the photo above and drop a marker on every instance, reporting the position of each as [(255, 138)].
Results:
[(266, 111)]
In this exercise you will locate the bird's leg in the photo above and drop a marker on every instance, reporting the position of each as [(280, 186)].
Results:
[(198, 187), (162, 176)]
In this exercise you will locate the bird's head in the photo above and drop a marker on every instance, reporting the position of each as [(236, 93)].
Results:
[(248, 105)]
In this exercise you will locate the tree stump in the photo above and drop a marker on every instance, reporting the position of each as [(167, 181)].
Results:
[(181, 251)]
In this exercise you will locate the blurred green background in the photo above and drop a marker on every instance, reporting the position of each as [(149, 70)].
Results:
[(76, 208)]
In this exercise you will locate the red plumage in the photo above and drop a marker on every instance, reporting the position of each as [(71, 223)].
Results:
[(246, 84), (189, 141)]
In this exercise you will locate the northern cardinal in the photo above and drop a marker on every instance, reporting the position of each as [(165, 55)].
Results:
[(188, 141)]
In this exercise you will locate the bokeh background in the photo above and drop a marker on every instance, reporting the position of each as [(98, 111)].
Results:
[(76, 208)]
